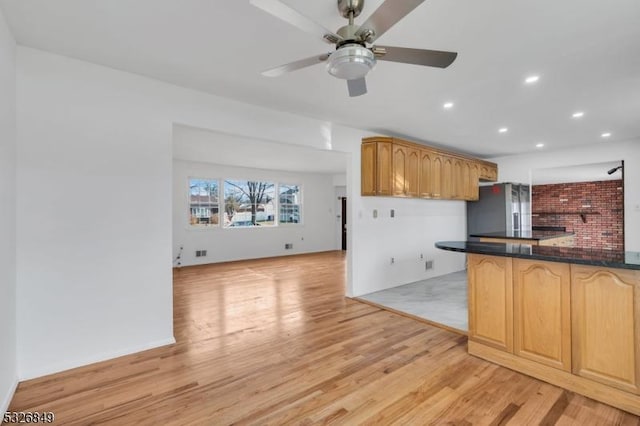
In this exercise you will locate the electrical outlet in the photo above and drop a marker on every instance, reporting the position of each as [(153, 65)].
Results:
[(393, 260), (392, 213), (421, 256), (288, 246), (428, 265), (201, 253)]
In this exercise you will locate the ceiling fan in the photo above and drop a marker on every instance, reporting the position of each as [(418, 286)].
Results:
[(355, 55)]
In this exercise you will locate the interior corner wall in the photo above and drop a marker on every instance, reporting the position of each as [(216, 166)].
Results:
[(314, 234), (8, 363), (518, 168)]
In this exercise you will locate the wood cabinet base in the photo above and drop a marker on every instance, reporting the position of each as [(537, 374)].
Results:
[(603, 393)]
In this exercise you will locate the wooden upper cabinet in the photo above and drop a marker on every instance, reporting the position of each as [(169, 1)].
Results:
[(542, 312), (465, 190), (384, 176), (447, 178), (376, 167), (425, 183), (393, 167), (490, 290), (399, 169), (472, 184), (436, 175), (406, 164), (369, 168), (412, 175), (488, 172), (605, 309), (458, 179)]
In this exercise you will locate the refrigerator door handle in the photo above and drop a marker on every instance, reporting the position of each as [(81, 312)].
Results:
[(516, 221)]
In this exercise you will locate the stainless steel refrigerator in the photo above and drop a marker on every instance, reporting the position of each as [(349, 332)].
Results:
[(502, 207)]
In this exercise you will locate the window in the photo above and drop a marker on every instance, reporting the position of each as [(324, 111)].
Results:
[(203, 202), (290, 200), (249, 203)]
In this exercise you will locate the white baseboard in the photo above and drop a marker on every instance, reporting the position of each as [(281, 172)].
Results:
[(6, 399), (68, 365)]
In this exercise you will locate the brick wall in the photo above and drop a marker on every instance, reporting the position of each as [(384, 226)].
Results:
[(604, 227)]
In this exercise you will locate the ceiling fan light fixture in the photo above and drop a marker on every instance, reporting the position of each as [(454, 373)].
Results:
[(351, 62)]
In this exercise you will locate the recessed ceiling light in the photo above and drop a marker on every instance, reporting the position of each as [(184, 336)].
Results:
[(502, 130), (606, 134), (532, 79), (448, 105), (578, 114), (539, 145)]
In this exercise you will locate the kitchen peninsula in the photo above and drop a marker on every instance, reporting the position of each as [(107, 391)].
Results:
[(565, 315)]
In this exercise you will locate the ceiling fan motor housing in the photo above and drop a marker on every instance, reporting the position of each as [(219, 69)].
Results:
[(351, 62), (346, 7)]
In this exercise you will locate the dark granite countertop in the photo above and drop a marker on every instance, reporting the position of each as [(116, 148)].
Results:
[(606, 258), (523, 235)]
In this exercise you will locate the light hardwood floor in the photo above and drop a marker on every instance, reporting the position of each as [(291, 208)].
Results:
[(275, 342)]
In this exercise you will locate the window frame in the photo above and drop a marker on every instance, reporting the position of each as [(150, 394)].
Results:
[(203, 227), (221, 204), (300, 208), (275, 203)]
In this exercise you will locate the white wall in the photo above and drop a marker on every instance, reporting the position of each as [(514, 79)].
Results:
[(94, 215), (416, 226), (8, 368), (94, 279), (517, 168), (313, 235)]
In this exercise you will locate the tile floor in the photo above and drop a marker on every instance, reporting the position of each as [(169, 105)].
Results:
[(441, 299)]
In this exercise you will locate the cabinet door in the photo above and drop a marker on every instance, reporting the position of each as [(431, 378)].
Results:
[(436, 176), (542, 312), (384, 178), (426, 175), (493, 173), (489, 172), (458, 180), (412, 169), (466, 180), (474, 179), (399, 169), (491, 301), (447, 178), (605, 309), (368, 169)]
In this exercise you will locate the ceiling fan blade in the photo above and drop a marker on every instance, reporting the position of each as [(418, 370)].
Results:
[(295, 18), (430, 58), (357, 87), (386, 16), (292, 66)]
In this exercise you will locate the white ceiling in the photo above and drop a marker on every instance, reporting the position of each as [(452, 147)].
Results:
[(193, 144), (586, 52)]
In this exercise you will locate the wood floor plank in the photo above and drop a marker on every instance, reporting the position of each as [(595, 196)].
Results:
[(275, 342)]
